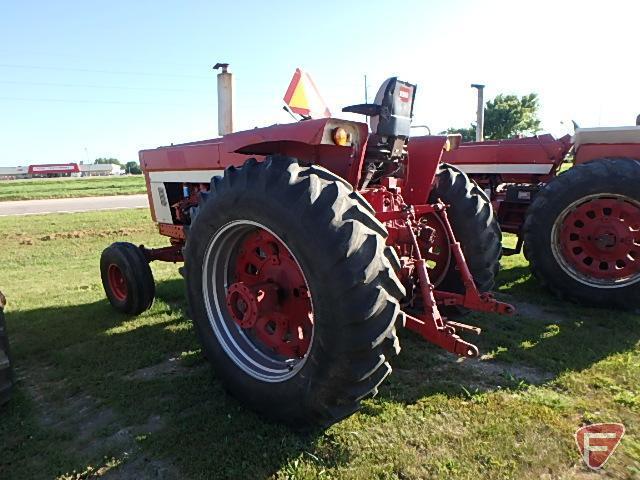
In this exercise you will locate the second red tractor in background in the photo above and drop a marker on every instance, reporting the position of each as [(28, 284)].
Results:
[(580, 228)]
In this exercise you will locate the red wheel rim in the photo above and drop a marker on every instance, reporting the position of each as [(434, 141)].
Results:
[(436, 253), (269, 297), (599, 240), (117, 282)]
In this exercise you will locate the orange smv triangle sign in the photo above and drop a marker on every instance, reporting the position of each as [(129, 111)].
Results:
[(303, 96)]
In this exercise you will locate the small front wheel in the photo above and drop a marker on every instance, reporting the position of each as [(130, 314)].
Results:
[(127, 278)]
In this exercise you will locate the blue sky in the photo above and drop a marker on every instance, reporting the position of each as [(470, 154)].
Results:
[(80, 80)]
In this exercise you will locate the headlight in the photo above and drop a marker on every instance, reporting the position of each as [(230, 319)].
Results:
[(341, 137)]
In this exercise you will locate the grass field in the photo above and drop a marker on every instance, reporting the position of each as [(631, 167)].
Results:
[(70, 187), (100, 394)]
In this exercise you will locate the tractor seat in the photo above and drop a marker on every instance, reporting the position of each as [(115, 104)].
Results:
[(391, 110)]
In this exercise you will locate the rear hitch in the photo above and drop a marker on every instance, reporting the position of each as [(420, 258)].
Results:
[(431, 324), (444, 336), (472, 298)]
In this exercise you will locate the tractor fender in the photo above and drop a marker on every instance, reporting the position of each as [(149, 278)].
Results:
[(425, 154), (307, 132), (311, 141)]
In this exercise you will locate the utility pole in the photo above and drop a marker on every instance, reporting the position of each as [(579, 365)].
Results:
[(480, 112)]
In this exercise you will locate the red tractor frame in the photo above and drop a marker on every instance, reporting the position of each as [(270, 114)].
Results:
[(305, 245)]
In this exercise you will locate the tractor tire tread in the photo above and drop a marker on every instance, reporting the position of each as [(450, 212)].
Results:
[(475, 226), (348, 362)]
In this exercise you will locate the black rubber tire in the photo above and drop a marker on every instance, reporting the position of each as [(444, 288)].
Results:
[(141, 287), (474, 225), (607, 175), (6, 366), (340, 247)]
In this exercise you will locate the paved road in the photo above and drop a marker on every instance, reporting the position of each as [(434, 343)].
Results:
[(71, 205)]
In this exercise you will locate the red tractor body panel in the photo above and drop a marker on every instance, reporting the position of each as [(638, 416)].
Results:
[(515, 160), (425, 154), (197, 162), (310, 140), (593, 151)]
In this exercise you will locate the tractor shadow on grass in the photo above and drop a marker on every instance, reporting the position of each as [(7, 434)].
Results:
[(545, 338), (146, 376), (95, 384)]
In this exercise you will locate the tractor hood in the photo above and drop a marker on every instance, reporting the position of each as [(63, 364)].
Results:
[(259, 141)]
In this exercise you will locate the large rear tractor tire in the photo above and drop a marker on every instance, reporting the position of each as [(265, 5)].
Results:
[(475, 227), (6, 368), (127, 278), (292, 291), (582, 234)]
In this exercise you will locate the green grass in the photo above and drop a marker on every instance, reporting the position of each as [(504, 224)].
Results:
[(99, 392), (70, 187)]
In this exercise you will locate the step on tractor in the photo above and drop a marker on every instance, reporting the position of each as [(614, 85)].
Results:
[(580, 228), (306, 245)]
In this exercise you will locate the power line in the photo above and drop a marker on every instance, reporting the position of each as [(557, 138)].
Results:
[(85, 85), (108, 72), (65, 100), (102, 58)]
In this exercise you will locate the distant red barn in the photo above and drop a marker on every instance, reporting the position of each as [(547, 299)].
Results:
[(54, 169)]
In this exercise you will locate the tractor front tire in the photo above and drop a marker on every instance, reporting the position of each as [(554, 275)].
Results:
[(475, 226), (316, 335), (127, 278), (581, 234), (6, 368)]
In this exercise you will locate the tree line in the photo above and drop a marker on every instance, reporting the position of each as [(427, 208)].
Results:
[(132, 168), (506, 116)]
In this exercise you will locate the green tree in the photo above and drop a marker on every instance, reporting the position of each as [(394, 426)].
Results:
[(468, 134), (103, 161), (132, 168), (506, 116)]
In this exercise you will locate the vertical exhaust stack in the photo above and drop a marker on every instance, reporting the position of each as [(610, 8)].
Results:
[(480, 112), (225, 99)]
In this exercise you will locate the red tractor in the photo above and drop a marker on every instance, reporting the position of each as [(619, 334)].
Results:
[(580, 228), (305, 245)]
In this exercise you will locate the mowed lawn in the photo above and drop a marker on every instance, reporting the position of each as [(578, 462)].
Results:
[(70, 187), (101, 394)]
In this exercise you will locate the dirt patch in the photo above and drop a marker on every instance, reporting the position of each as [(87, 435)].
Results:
[(495, 369), (144, 468), (482, 374), (121, 232), (169, 367), (536, 311), (94, 429)]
